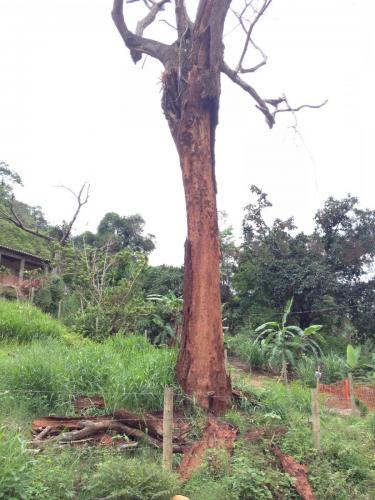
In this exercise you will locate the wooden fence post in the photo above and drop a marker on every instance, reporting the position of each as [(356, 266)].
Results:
[(315, 418), (32, 294), (355, 410), (168, 428)]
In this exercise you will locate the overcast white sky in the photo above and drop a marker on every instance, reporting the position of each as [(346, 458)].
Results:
[(74, 108)]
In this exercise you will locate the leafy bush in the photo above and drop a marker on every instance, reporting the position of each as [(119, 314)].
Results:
[(133, 479), (49, 296), (333, 368), (236, 419), (14, 465), (305, 370), (22, 322), (343, 469)]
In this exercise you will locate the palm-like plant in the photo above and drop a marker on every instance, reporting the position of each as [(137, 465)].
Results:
[(284, 343), (169, 317)]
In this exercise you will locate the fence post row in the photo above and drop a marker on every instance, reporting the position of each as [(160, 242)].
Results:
[(168, 429)]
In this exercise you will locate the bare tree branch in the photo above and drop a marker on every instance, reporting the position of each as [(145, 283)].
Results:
[(150, 17), (13, 217), (261, 104), (82, 198), (182, 19), (138, 45), (288, 108), (240, 16), (167, 23)]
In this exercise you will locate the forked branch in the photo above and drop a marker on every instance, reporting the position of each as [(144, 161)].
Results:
[(150, 17), (82, 198), (137, 44), (257, 14), (269, 107)]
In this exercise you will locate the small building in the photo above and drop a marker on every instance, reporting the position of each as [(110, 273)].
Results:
[(17, 262)]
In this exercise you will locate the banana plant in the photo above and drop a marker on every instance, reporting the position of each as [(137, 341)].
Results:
[(354, 362), (282, 342)]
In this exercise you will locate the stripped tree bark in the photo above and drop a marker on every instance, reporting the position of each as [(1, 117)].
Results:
[(191, 92)]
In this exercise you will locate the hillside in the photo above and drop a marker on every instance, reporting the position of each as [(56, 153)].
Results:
[(14, 237)]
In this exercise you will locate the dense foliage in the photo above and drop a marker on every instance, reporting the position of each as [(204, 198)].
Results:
[(327, 272)]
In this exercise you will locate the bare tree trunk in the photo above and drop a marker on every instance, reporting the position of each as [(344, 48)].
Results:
[(201, 364), (201, 367), (190, 103)]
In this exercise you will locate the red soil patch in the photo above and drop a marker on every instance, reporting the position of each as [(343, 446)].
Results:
[(218, 435), (296, 470)]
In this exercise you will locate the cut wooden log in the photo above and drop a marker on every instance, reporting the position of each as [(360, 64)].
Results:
[(298, 471), (80, 430)]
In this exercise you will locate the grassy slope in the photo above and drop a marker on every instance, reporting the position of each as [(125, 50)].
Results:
[(21, 322), (41, 376), (14, 237)]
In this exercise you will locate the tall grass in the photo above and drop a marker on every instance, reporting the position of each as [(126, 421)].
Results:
[(22, 322), (128, 371), (332, 366), (244, 348)]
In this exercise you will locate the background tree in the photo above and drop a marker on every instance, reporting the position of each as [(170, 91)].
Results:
[(122, 232), (327, 272), (160, 280), (193, 64)]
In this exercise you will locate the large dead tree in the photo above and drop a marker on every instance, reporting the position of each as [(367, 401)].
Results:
[(191, 91)]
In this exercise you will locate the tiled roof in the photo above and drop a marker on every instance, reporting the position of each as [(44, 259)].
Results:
[(21, 252)]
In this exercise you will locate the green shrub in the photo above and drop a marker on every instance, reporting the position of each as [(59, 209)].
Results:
[(204, 488), (333, 368), (305, 371), (22, 322), (235, 418), (343, 469), (14, 465), (132, 479), (283, 401)]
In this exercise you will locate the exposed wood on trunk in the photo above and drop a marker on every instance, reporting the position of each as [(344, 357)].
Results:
[(190, 103), (297, 471)]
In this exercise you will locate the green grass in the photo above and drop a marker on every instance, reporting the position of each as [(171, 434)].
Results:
[(345, 466), (81, 473), (21, 322), (44, 376), (40, 376)]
